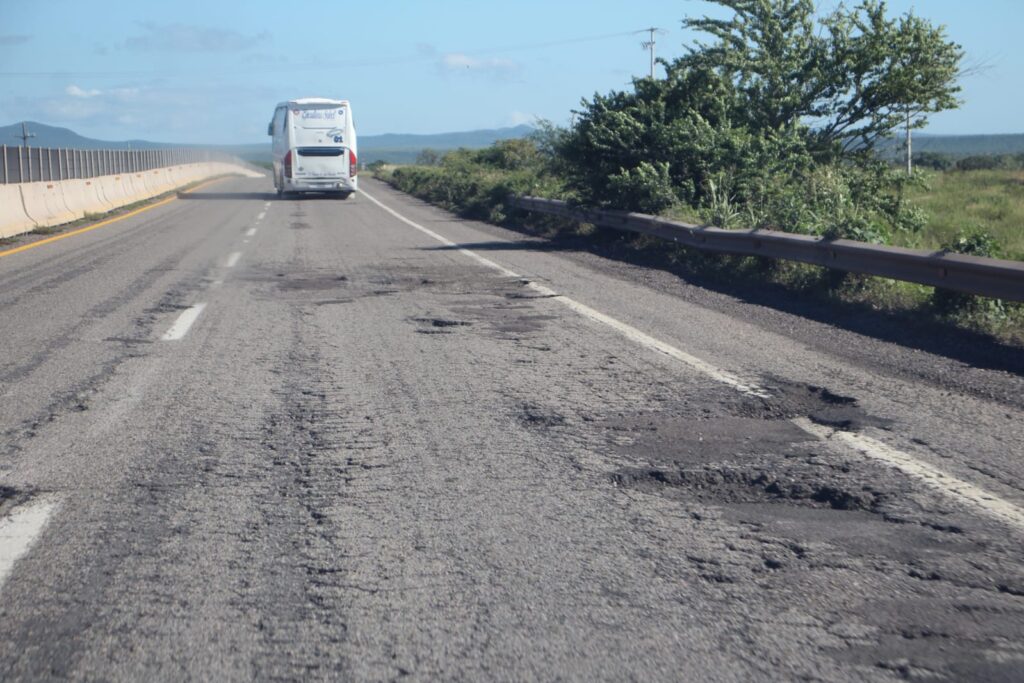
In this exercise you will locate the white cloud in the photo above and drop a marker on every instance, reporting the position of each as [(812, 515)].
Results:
[(518, 118), (191, 38), (75, 91)]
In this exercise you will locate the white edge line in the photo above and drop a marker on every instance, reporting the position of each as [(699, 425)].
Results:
[(968, 494), (184, 322), (233, 259), (965, 493), (20, 529), (630, 332)]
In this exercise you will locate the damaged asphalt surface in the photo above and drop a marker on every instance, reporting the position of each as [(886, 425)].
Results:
[(373, 458)]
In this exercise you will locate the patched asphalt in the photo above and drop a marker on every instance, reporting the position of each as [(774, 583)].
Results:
[(374, 458)]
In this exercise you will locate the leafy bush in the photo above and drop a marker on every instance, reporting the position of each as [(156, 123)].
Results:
[(973, 242), (647, 187), (477, 183)]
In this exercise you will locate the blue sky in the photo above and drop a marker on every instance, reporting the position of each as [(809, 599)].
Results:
[(211, 72)]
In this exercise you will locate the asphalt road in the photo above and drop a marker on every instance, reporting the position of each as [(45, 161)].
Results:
[(248, 438)]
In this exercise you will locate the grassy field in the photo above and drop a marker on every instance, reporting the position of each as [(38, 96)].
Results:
[(992, 201)]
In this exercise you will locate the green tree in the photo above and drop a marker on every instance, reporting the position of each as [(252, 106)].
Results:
[(775, 117)]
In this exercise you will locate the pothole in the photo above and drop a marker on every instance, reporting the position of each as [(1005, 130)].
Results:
[(438, 325), (804, 483), (536, 416), (794, 399), (9, 498)]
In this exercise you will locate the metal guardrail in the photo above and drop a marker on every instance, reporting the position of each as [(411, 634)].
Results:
[(35, 164), (995, 278)]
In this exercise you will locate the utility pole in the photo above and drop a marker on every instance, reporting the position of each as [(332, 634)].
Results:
[(25, 135), (650, 44), (910, 154)]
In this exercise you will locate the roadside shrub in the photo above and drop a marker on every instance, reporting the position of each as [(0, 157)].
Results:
[(647, 188), (967, 307)]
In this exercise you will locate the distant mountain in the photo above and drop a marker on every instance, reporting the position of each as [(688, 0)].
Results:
[(957, 146), (474, 139), (403, 149), (53, 136), (391, 147)]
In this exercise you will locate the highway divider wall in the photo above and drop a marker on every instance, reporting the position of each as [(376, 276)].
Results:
[(13, 218), (989, 277), (27, 206)]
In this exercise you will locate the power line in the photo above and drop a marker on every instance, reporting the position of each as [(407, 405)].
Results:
[(316, 66)]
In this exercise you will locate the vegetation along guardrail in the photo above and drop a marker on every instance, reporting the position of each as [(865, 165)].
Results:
[(995, 278)]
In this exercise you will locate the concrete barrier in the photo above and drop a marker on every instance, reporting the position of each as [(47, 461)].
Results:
[(13, 219), (26, 206), (80, 196), (135, 188), (44, 203), (95, 190), (112, 189)]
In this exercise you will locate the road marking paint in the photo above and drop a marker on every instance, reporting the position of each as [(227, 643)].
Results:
[(251, 232), (233, 259), (261, 216), (184, 322), (19, 530), (967, 494), (216, 283), (957, 489), (630, 332), (94, 226), (266, 205)]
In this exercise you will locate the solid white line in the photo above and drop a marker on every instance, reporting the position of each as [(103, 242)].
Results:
[(184, 322), (233, 259), (630, 332), (959, 490), (251, 232), (20, 529), (967, 494)]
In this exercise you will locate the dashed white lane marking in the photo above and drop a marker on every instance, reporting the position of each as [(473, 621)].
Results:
[(251, 232), (967, 494), (184, 322), (957, 489), (20, 529), (266, 205), (233, 259), (260, 217), (630, 332)]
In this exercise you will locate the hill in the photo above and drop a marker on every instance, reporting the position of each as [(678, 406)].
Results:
[(54, 136), (394, 148), (957, 146)]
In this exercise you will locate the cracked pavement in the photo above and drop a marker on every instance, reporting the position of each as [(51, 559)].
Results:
[(374, 458)]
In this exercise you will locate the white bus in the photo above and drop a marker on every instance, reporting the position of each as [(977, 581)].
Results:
[(314, 147)]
